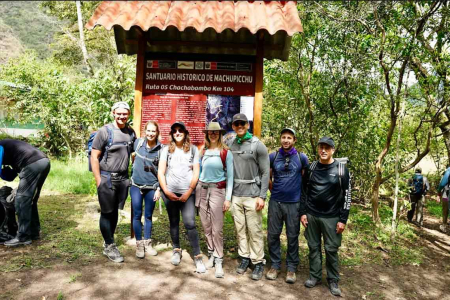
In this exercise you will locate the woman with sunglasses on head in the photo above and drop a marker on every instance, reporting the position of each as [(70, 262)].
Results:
[(145, 187), (178, 175), (213, 193)]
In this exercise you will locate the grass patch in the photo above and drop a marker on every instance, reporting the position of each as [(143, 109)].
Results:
[(434, 208)]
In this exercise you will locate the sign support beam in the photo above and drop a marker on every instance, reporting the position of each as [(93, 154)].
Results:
[(259, 74)]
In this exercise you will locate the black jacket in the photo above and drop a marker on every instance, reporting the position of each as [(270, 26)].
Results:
[(324, 195)]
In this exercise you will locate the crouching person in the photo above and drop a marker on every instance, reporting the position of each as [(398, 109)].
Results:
[(110, 158), (324, 209)]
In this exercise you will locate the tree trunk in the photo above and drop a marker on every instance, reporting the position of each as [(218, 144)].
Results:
[(82, 43)]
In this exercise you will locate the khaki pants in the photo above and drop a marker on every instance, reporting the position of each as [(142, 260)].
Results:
[(249, 229), (210, 200)]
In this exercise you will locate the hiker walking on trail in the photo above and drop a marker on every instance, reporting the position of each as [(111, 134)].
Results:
[(145, 186), (251, 182), (32, 166), (324, 209), (419, 186), (287, 167), (110, 157), (178, 173), (213, 193), (443, 191)]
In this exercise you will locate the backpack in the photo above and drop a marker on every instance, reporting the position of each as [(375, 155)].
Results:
[(8, 224), (109, 144), (223, 157), (417, 185), (341, 169), (154, 161), (254, 143)]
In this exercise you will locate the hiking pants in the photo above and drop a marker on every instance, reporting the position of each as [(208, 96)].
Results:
[(32, 179), (419, 213), (137, 200), (415, 199), (249, 229), (187, 210), (279, 213), (326, 227), (210, 201)]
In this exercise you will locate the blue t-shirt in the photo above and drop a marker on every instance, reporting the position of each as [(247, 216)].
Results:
[(144, 160), (287, 177)]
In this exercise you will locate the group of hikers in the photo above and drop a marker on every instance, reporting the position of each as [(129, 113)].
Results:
[(211, 180), (217, 178)]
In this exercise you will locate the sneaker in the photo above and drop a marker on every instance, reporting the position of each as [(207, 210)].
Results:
[(140, 249), (200, 267), (112, 253), (312, 282), (219, 270), (334, 288), (210, 262), (176, 256), (291, 277), (258, 271), (443, 228), (149, 248), (17, 242), (272, 274), (243, 266)]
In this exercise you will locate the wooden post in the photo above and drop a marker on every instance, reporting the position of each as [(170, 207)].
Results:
[(259, 74), (138, 89)]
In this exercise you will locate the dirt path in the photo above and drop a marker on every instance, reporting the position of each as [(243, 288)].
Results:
[(156, 278)]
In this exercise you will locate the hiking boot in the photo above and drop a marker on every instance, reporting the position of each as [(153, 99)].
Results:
[(112, 253), (443, 228), (258, 271), (140, 249), (272, 274), (210, 262), (219, 270), (291, 277), (243, 266), (17, 242), (200, 267), (334, 288), (312, 282), (149, 249), (176, 256)]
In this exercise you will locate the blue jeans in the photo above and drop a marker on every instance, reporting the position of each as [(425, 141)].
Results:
[(136, 202)]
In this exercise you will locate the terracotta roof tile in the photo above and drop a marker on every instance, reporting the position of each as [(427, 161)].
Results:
[(272, 16)]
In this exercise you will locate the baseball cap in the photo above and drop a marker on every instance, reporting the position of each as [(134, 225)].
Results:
[(179, 123), (240, 117), (326, 140), (120, 104), (288, 130)]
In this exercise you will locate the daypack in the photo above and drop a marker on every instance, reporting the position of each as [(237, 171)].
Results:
[(8, 224), (153, 161), (109, 144), (417, 185), (341, 169), (223, 157)]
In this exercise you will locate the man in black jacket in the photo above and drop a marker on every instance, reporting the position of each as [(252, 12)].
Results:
[(324, 209)]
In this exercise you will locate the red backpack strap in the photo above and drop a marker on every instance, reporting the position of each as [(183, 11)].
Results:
[(223, 157)]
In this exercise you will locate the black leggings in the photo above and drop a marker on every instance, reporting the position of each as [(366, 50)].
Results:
[(108, 224), (187, 210)]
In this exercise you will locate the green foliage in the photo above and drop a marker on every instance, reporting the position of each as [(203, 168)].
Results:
[(434, 208), (70, 176)]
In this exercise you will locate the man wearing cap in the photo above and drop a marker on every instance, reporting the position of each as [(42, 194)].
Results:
[(286, 169), (110, 158), (251, 182), (324, 209), (32, 166)]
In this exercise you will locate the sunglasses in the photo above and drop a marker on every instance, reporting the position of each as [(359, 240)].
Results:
[(180, 130), (286, 163), (211, 132), (239, 123)]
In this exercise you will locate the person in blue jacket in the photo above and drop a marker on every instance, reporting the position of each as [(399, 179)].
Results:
[(443, 191)]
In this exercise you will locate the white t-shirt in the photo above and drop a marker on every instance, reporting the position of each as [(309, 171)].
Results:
[(180, 168)]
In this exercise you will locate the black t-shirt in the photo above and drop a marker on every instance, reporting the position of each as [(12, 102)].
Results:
[(19, 154), (322, 193), (118, 157)]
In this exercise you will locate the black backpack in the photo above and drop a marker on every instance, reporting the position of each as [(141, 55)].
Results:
[(8, 224)]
